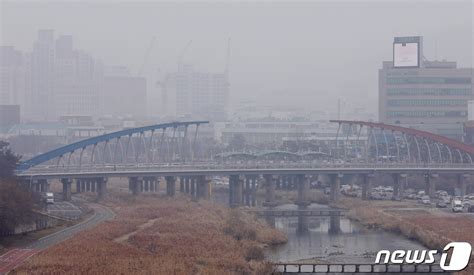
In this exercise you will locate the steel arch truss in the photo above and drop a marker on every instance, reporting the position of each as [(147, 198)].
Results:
[(395, 143), (150, 144)]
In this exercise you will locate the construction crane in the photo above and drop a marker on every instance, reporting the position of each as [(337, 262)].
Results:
[(183, 52), (227, 61), (147, 55)]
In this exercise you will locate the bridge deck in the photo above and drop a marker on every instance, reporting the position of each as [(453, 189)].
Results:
[(182, 169), (295, 213)]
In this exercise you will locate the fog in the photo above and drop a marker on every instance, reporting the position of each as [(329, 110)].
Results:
[(298, 55)]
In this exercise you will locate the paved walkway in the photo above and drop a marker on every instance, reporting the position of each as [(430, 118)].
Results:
[(15, 256)]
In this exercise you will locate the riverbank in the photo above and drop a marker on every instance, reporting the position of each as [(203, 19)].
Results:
[(430, 226), (160, 235)]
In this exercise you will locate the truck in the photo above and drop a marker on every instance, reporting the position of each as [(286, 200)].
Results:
[(456, 205)]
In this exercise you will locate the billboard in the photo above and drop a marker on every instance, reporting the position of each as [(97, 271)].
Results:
[(406, 52)]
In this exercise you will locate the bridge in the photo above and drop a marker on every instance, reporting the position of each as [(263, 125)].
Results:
[(146, 155)]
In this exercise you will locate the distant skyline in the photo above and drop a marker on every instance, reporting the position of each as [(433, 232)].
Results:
[(299, 55)]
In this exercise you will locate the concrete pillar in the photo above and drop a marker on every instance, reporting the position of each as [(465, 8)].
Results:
[(254, 191), (367, 186), (88, 185), (94, 185), (157, 184), (398, 185), (336, 186), (269, 190), (235, 190), (247, 190), (135, 185), (43, 185), (302, 183), (203, 185), (151, 185), (430, 182), (170, 185), (35, 186), (199, 187), (181, 184), (101, 187), (192, 187), (334, 224), (66, 189), (78, 185), (303, 222), (187, 187), (462, 183)]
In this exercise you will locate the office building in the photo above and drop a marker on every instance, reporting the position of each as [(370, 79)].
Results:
[(427, 95), (12, 77)]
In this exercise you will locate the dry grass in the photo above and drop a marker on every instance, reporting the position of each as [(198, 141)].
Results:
[(185, 238), (434, 231)]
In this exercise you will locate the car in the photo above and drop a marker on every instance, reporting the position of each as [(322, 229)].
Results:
[(441, 204), (457, 205), (425, 201), (49, 198)]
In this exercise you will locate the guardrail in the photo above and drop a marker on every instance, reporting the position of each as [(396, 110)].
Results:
[(224, 166), (355, 268)]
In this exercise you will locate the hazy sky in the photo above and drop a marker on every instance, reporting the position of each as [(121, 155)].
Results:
[(296, 54)]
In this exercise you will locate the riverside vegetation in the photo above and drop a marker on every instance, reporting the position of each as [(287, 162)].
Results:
[(153, 234)]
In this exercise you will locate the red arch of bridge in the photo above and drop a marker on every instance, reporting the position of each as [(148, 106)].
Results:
[(441, 139)]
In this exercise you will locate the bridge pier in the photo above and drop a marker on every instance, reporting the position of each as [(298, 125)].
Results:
[(94, 185), (269, 190), (336, 186), (235, 188), (284, 182), (84, 185), (247, 190), (250, 190), (181, 184), (303, 223), (462, 183), (203, 187), (101, 187), (430, 184), (398, 185), (135, 185), (66, 188), (187, 185), (367, 186), (42, 185), (78, 185), (293, 182), (334, 224), (302, 183), (192, 187), (170, 185), (254, 191)]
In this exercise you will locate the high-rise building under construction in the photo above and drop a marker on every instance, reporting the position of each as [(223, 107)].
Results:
[(200, 94)]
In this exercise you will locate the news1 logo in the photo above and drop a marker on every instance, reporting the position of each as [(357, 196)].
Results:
[(460, 255)]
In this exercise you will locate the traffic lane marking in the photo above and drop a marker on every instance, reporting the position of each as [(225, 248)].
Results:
[(15, 257)]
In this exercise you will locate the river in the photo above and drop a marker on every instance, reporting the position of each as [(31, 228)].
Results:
[(316, 240)]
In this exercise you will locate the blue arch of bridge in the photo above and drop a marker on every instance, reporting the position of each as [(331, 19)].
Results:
[(98, 139)]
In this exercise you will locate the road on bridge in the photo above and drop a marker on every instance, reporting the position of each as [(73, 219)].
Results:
[(16, 256)]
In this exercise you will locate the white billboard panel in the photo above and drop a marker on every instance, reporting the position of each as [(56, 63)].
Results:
[(406, 55)]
